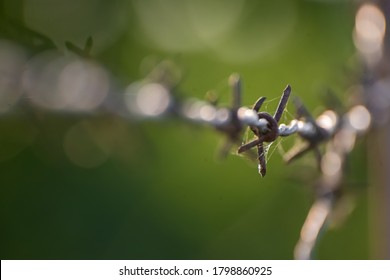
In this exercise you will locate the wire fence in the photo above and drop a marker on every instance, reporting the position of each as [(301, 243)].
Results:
[(77, 85)]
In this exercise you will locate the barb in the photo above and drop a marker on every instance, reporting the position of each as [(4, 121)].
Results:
[(314, 133), (269, 133), (282, 103)]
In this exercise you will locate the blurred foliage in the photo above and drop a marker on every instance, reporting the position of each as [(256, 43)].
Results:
[(101, 187)]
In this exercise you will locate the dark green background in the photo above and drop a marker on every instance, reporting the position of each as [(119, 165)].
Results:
[(161, 194)]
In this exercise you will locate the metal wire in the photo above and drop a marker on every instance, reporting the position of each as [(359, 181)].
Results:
[(155, 99)]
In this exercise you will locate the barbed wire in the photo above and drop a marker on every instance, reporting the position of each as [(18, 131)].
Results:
[(373, 51), (51, 74), (155, 99)]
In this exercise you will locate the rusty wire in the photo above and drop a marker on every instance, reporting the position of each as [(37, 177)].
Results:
[(155, 99)]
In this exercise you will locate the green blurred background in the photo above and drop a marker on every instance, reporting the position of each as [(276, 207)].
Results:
[(101, 187)]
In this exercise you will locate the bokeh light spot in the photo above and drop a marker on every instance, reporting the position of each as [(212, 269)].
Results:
[(148, 100), (56, 82), (359, 118), (370, 26)]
